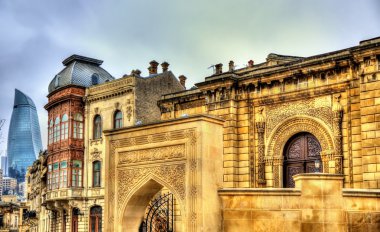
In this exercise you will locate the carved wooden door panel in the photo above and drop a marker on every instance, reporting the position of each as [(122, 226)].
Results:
[(300, 154)]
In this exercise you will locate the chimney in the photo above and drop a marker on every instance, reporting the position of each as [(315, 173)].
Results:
[(218, 69), (231, 66), (165, 66), (250, 64), (136, 72), (182, 80), (153, 67)]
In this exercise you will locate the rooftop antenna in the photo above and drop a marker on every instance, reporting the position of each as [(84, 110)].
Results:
[(213, 68)]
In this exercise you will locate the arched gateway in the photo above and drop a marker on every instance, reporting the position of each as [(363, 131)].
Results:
[(144, 161), (298, 130)]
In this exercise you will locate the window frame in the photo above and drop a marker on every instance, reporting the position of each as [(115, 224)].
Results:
[(51, 131), (64, 127), (57, 129), (96, 174), (97, 127), (78, 126), (118, 119), (76, 174), (95, 213)]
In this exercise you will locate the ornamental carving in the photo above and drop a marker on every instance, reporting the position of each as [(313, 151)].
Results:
[(318, 108), (292, 126), (96, 155), (153, 154), (174, 175)]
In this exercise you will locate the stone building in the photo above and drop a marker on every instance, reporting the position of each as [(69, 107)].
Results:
[(84, 100), (37, 217), (290, 144), (9, 185)]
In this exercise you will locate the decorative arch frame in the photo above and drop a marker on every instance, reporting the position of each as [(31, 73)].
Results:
[(297, 124), (284, 131), (144, 181)]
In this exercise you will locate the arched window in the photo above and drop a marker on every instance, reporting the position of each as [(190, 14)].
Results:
[(65, 127), (95, 79), (51, 130), (57, 131), (97, 127), (78, 126), (96, 219), (118, 120), (96, 167)]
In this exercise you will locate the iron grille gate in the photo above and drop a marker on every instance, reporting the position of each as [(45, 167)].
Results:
[(160, 215)]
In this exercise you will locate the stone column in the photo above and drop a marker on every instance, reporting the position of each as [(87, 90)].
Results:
[(277, 164), (260, 125), (337, 129)]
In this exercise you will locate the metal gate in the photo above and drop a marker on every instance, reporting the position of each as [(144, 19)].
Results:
[(160, 215)]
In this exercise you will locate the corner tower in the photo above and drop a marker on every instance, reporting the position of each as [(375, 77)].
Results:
[(66, 128)]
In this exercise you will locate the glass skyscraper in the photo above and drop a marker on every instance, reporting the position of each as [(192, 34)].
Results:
[(24, 136)]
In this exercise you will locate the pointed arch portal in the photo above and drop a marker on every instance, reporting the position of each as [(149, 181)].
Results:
[(144, 160)]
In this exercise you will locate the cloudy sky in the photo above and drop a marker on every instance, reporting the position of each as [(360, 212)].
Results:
[(191, 35)]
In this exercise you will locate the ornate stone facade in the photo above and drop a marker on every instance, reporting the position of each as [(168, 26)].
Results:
[(331, 96), (223, 147)]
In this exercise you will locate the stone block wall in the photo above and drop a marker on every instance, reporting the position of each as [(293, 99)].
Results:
[(318, 203), (370, 120)]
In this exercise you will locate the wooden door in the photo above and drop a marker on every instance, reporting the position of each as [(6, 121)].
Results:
[(74, 222), (301, 152)]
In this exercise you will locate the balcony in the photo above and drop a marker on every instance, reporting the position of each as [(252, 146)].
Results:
[(63, 194)]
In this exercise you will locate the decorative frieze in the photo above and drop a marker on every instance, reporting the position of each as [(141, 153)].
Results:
[(154, 154)]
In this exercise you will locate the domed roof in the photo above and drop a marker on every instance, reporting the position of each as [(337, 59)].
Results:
[(22, 99), (81, 71)]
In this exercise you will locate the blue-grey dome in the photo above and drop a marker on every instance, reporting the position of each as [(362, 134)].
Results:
[(81, 71)]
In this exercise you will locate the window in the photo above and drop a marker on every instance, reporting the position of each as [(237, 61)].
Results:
[(57, 130), (55, 175), (76, 176), (49, 182), (65, 127), (97, 127), (51, 128), (118, 119), (96, 219), (95, 79), (78, 126), (63, 174), (96, 167), (56, 82), (367, 61)]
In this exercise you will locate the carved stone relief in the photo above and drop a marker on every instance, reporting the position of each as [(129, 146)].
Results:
[(153, 154), (318, 107), (171, 173), (127, 179)]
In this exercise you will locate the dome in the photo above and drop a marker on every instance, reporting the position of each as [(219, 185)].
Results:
[(81, 71)]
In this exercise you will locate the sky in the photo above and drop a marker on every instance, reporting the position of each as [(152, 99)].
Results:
[(36, 36)]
